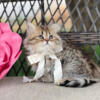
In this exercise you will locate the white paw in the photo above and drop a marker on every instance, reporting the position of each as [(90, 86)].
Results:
[(27, 80)]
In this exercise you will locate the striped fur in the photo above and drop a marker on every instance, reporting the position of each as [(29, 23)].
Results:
[(77, 83)]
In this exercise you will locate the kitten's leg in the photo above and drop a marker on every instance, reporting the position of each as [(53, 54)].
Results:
[(47, 78), (57, 70), (39, 72), (27, 79)]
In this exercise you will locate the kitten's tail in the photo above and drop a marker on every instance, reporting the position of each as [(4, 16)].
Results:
[(78, 82)]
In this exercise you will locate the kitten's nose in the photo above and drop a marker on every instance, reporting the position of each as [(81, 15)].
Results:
[(47, 40)]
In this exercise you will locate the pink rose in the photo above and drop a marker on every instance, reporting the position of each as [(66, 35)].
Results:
[(10, 44)]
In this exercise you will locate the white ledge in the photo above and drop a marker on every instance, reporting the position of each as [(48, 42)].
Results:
[(12, 88)]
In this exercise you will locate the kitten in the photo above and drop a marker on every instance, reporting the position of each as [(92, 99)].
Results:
[(41, 42), (78, 71)]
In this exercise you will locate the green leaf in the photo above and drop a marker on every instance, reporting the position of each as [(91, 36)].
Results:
[(98, 50)]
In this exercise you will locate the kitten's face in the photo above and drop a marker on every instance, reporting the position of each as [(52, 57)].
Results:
[(43, 39)]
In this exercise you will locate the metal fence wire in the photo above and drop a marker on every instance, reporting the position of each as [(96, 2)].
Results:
[(80, 19)]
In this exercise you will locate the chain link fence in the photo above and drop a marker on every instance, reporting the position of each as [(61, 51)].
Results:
[(80, 20)]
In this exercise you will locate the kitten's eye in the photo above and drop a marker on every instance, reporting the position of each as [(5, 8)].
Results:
[(41, 37), (51, 37)]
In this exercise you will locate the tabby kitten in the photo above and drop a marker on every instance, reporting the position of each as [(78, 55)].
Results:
[(78, 71)]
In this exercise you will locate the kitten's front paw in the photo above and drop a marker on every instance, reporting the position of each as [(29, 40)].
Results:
[(27, 80)]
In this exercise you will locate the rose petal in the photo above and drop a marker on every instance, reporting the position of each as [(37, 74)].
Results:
[(0, 32), (9, 65), (5, 53), (11, 43), (14, 40), (4, 27)]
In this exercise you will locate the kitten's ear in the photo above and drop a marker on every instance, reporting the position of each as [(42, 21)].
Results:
[(55, 27), (30, 28)]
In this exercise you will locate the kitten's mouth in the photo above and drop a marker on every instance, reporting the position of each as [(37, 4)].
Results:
[(47, 42)]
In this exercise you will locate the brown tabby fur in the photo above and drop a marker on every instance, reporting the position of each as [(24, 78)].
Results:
[(74, 63)]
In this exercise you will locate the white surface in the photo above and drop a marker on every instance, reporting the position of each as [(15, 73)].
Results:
[(15, 89)]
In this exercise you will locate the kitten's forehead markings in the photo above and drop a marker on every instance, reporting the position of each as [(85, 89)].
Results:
[(46, 32), (44, 29), (42, 32), (49, 32)]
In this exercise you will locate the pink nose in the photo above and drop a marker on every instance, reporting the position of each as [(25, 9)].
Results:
[(47, 40)]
